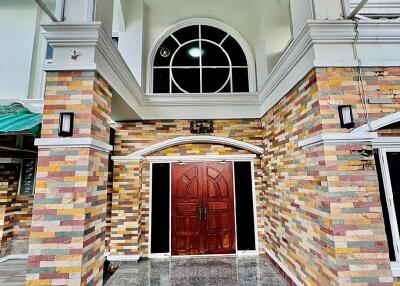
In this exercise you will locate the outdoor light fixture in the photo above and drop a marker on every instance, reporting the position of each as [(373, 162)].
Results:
[(195, 52), (346, 116), (66, 127)]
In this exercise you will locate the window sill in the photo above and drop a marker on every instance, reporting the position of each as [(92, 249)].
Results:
[(395, 268)]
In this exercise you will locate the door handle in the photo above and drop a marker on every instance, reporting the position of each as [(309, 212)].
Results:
[(205, 209), (200, 210)]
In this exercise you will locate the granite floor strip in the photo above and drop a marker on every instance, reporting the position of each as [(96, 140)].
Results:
[(227, 271)]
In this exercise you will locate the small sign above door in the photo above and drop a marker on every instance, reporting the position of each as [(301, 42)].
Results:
[(201, 126)]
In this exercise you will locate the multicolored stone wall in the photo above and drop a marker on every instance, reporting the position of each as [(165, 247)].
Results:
[(9, 177), (22, 224), (67, 240), (133, 136), (323, 216), (15, 212), (125, 235), (340, 86)]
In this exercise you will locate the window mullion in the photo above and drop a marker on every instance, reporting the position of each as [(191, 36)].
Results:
[(201, 61)]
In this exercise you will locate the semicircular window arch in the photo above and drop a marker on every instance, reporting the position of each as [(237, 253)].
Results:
[(200, 59)]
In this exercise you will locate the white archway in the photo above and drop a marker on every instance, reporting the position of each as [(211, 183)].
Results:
[(140, 154), (210, 22)]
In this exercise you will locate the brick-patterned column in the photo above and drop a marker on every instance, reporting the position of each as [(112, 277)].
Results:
[(126, 210), (358, 230), (9, 177), (66, 245)]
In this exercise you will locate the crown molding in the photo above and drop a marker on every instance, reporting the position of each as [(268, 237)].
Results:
[(378, 7), (73, 143), (317, 45)]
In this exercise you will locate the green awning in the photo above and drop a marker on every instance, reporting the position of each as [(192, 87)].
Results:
[(15, 118)]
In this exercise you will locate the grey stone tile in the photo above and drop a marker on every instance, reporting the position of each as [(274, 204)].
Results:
[(226, 271)]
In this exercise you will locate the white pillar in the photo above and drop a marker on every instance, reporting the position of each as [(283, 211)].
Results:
[(329, 9), (301, 11), (90, 11)]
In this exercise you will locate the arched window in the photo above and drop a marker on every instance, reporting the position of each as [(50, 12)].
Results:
[(200, 58)]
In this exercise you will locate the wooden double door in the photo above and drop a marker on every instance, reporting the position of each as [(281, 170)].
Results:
[(203, 219)]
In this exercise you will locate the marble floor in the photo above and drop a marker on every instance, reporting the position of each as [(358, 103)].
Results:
[(226, 271), (12, 273)]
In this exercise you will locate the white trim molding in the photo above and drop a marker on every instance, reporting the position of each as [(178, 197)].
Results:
[(73, 143), (378, 8), (14, 257), (202, 158), (120, 258), (379, 123), (140, 154), (395, 268), (363, 134), (96, 52), (337, 138), (317, 45)]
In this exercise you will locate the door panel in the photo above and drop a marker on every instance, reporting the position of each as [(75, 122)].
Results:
[(206, 230), (186, 196), (218, 195)]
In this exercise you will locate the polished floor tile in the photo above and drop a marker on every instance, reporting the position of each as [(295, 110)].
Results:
[(12, 273), (226, 271)]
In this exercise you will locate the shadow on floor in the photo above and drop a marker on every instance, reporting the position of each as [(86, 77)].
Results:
[(226, 271)]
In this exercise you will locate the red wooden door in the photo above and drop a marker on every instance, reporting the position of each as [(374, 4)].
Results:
[(202, 209), (218, 198)]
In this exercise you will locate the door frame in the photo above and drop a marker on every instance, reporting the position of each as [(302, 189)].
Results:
[(387, 184), (203, 158)]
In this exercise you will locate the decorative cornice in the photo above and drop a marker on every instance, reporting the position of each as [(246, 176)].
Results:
[(97, 52), (311, 48), (342, 32), (198, 99), (202, 158), (314, 47), (140, 154), (378, 7), (73, 143), (336, 139), (379, 123)]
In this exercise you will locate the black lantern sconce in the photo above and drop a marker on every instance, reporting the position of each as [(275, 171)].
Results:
[(66, 127), (346, 116)]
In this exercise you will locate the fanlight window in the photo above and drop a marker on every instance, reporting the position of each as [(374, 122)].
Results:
[(200, 59)]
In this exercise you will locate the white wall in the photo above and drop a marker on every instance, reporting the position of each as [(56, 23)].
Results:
[(130, 42), (274, 33), (301, 12), (37, 75), (17, 30)]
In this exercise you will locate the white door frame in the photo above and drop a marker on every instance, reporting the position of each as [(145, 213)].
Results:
[(203, 158), (389, 197)]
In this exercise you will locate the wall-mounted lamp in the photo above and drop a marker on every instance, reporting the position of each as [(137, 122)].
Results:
[(346, 116), (66, 127)]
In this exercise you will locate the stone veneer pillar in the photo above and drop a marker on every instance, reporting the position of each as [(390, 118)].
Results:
[(126, 210), (66, 245), (9, 177)]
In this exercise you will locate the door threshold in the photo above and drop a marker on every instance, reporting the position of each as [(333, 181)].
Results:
[(238, 254)]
